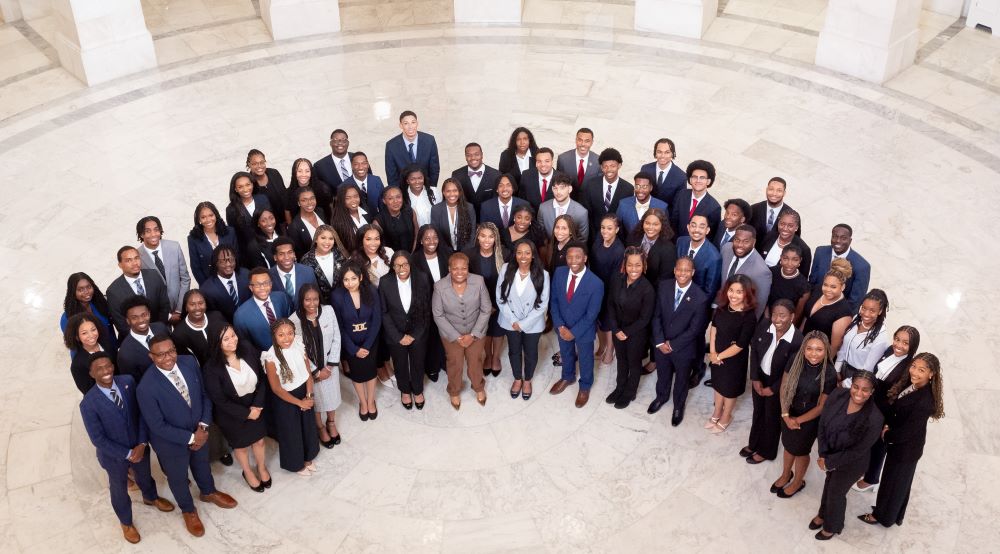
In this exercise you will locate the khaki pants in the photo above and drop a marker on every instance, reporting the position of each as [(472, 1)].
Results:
[(472, 356)]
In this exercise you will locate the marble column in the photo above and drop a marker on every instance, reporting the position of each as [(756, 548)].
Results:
[(10, 10), (687, 18), (100, 41), (490, 11), (300, 18), (873, 41)]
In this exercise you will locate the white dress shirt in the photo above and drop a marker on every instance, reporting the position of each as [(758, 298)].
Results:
[(405, 292), (141, 339), (244, 379), (579, 277), (421, 205), (132, 280), (765, 362), (522, 163), (432, 264)]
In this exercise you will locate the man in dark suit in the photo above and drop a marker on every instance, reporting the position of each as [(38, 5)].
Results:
[(740, 257), (371, 186), (500, 210), (696, 200), (287, 275), (336, 166), (133, 354), (765, 215), (164, 257), (253, 318), (176, 408), (707, 259), (111, 416), (737, 212), (840, 247), (136, 281), (580, 163), (679, 322), (574, 304), (536, 184), (229, 287), (631, 209), (602, 194), (411, 146), (478, 180), (669, 178)]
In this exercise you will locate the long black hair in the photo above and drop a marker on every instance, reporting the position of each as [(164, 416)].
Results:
[(465, 225), (512, 142), (72, 306), (537, 273), (365, 286), (198, 232), (879, 296), (313, 351)]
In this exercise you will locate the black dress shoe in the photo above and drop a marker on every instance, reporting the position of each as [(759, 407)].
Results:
[(821, 537), (708, 382), (433, 376), (328, 444), (775, 489), (864, 518), (267, 484), (613, 397), (677, 418), (782, 494), (655, 406), (335, 440), (259, 488), (746, 452), (419, 405), (622, 403), (814, 526), (226, 459), (407, 405), (753, 461), (364, 417), (373, 415)]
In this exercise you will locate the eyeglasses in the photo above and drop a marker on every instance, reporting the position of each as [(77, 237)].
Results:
[(163, 354), (401, 265), (260, 285)]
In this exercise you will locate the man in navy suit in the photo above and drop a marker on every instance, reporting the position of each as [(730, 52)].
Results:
[(336, 166), (133, 354), (111, 416), (287, 275), (679, 321), (669, 178), (580, 163), (840, 247), (707, 259), (536, 183), (737, 212), (253, 318), (764, 215), (631, 209), (176, 408), (500, 210), (229, 286), (574, 303), (411, 146), (696, 200), (371, 186), (602, 194), (136, 281), (478, 180)]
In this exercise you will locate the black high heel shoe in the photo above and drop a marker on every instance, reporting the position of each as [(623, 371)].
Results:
[(525, 394), (364, 417), (820, 536), (372, 415), (513, 393), (813, 525), (407, 405), (419, 405), (259, 488)]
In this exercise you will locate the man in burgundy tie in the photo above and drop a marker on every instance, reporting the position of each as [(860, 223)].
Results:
[(697, 199), (254, 317), (580, 162), (536, 183)]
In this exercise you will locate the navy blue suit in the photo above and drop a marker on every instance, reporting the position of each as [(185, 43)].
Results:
[(707, 265), (682, 328), (580, 317), (133, 358), (708, 207), (115, 432), (397, 157), (303, 275), (171, 423), (328, 171), (217, 294), (200, 254), (856, 287), (673, 182), (490, 211), (629, 218), (372, 200), (251, 324)]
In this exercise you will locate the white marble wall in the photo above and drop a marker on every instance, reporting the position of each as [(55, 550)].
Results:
[(99, 41), (686, 18), (300, 18), (873, 41), (493, 11)]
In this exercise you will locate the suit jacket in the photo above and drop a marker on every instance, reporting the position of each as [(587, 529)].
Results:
[(632, 312), (156, 292), (133, 357), (196, 343), (580, 314), (629, 218), (708, 207), (371, 198), (300, 236), (487, 185), (547, 217), (200, 253), (328, 171), (397, 157), (758, 218), (396, 321), (420, 262), (349, 319), (240, 219), (707, 265), (178, 279), (783, 353), (907, 421), (566, 163), (217, 294), (112, 430), (530, 187), (717, 237), (673, 182), (331, 335), (440, 221), (457, 315), (592, 198), (508, 164), (251, 325), (520, 308), (303, 275), (764, 247), (170, 420), (229, 409), (683, 326), (660, 261), (856, 287), (490, 211), (754, 268)]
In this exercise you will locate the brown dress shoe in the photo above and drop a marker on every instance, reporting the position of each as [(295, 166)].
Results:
[(162, 504), (220, 499), (582, 397), (130, 533), (193, 523), (559, 386)]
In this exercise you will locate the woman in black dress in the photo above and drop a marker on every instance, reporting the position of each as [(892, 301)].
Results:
[(605, 260), (520, 153), (398, 222), (234, 381), (849, 425), (631, 300), (729, 337), (655, 236), (828, 310), (85, 335), (808, 379), (267, 181), (406, 316), (486, 257), (303, 176), (431, 259), (916, 397), (788, 282)]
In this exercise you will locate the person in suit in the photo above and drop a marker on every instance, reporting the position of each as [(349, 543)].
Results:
[(535, 185), (83, 336), (840, 247), (84, 296), (244, 205), (303, 226), (697, 199), (164, 257), (267, 181), (197, 325), (629, 311), (133, 354), (291, 383), (729, 337), (707, 259), (304, 176), (177, 411), (209, 232), (371, 186), (335, 167), (765, 215), (602, 194), (783, 233), (522, 299), (359, 314), (631, 209), (287, 275), (607, 254), (135, 281), (562, 203), (735, 213), (431, 259), (260, 250), (461, 308), (348, 216), (519, 155), (417, 195), (234, 381), (478, 180), (406, 318), (499, 210), (774, 344), (398, 221), (317, 329), (653, 235), (739, 258), (454, 218), (679, 315), (669, 178), (911, 401), (574, 305), (411, 147), (111, 417), (580, 162), (325, 258), (253, 319), (229, 286), (788, 282)]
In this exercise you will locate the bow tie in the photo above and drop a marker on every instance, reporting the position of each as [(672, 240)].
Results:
[(476, 173)]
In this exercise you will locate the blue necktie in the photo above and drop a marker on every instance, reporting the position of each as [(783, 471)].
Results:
[(117, 399), (289, 287), (677, 299), (770, 219), (232, 294), (413, 155), (139, 288)]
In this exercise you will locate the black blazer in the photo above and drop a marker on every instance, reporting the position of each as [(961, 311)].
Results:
[(328, 172), (907, 421), (300, 236), (592, 198), (395, 321), (508, 164), (217, 295), (758, 218), (79, 366), (660, 261), (156, 292), (189, 341), (275, 192), (487, 185), (783, 352), (133, 358), (631, 312), (420, 262), (882, 386), (764, 245), (439, 219), (490, 211), (529, 188), (228, 409), (708, 207)]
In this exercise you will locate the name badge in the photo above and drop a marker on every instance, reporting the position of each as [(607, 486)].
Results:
[(358, 327)]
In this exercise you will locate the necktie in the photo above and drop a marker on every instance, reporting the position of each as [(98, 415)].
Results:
[(726, 237), (659, 180), (545, 187), (572, 288), (691, 254), (579, 173), (159, 264), (363, 186), (270, 312), (677, 298), (732, 268), (289, 286), (117, 399), (506, 217), (181, 387), (139, 288), (149, 341), (607, 199), (694, 205), (232, 294), (344, 174), (770, 218), (476, 173), (413, 154)]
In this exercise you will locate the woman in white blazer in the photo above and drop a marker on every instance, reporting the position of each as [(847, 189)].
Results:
[(316, 327), (523, 299)]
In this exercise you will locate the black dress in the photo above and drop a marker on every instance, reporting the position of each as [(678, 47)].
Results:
[(824, 317), (397, 231), (605, 262), (799, 442), (730, 378), (230, 411), (791, 289), (558, 256), (486, 267)]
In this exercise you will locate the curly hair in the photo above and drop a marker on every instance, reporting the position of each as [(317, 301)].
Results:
[(936, 384)]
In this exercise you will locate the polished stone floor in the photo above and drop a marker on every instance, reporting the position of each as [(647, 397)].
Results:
[(903, 163)]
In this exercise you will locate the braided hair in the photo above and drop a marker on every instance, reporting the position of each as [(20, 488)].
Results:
[(879, 296), (791, 383), (284, 370)]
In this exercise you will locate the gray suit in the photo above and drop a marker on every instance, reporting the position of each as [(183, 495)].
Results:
[(460, 315), (566, 163), (547, 216), (521, 308), (755, 268), (178, 279)]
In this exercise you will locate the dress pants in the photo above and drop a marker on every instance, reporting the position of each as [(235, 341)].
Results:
[(176, 469), (217, 444), (408, 362), (568, 350), (118, 484), (472, 357), (298, 439), (894, 492), (765, 428), (435, 356), (875, 461), (630, 354), (524, 346), (672, 370), (834, 502)]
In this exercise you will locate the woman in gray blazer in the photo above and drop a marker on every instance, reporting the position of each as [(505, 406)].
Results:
[(316, 327), (522, 299)]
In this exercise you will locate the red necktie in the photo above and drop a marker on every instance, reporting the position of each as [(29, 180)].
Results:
[(694, 205), (579, 173), (545, 186), (572, 288)]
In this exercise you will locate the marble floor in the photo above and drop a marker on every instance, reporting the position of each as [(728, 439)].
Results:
[(538, 476)]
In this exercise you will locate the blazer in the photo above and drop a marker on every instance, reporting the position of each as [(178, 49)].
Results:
[(856, 287), (251, 325), (319, 277), (440, 221), (303, 276), (632, 312), (579, 314), (708, 207), (349, 318), (275, 191), (629, 218), (487, 185), (660, 261), (200, 253), (673, 182), (764, 247), (396, 321), (328, 172), (79, 364), (331, 333), (156, 292), (839, 442), (717, 237), (133, 357), (196, 343), (397, 157), (907, 421), (508, 164), (238, 218), (170, 420), (592, 198), (300, 236), (707, 265), (112, 430), (520, 308), (758, 218), (783, 353), (547, 217), (490, 211), (684, 326), (177, 278), (754, 268), (217, 294), (229, 409), (371, 197), (457, 315), (530, 186), (420, 262), (566, 163)]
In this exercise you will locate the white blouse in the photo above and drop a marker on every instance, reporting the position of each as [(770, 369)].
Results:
[(432, 264), (295, 358), (521, 283), (244, 379), (885, 367), (327, 266), (421, 205), (522, 163)]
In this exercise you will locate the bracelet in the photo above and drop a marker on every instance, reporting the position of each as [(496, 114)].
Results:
[(784, 414)]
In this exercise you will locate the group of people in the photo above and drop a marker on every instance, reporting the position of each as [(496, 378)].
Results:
[(398, 280)]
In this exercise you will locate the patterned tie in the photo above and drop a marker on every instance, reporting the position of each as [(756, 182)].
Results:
[(691, 254), (344, 174), (117, 399), (506, 216), (694, 206), (580, 173), (232, 294), (607, 199), (175, 376), (289, 286), (545, 187), (149, 341), (413, 154), (677, 298), (770, 218), (572, 288), (159, 264), (270, 312), (363, 185), (726, 237), (139, 288)]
